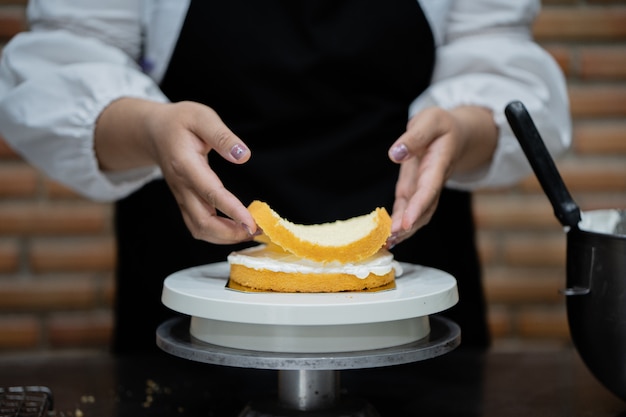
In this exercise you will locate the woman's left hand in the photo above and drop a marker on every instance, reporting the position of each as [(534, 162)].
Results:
[(437, 144)]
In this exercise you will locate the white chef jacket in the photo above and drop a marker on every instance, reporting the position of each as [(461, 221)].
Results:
[(80, 55)]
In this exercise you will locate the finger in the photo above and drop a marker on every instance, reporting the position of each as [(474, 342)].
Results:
[(417, 193), (420, 208), (425, 196), (212, 193), (200, 195), (205, 224), (422, 129), (405, 188), (211, 130), (397, 214)]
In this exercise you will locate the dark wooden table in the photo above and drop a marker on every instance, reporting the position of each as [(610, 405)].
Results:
[(460, 383)]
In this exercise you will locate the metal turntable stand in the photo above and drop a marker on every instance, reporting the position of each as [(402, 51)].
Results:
[(222, 330)]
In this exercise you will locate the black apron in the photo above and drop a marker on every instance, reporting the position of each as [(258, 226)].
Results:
[(319, 90)]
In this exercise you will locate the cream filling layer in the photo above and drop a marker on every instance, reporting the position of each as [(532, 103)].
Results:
[(262, 258)]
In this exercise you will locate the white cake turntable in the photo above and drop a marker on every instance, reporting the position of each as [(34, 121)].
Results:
[(308, 338)]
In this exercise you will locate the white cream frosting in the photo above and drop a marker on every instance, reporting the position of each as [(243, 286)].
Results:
[(608, 222), (259, 257)]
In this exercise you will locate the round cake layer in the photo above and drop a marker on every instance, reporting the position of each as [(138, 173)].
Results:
[(266, 280), (350, 240)]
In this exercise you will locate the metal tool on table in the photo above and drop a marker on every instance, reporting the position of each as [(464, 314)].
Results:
[(26, 401)]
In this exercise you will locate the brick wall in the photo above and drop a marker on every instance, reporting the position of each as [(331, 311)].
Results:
[(56, 252), (57, 255), (522, 244)]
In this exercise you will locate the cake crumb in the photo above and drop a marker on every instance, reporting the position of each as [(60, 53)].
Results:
[(87, 399)]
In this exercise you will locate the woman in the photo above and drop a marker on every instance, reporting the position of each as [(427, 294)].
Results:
[(302, 104)]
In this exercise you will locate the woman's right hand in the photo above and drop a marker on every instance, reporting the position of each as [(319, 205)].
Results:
[(132, 133)]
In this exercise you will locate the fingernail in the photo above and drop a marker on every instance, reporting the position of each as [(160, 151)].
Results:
[(238, 151), (399, 152), (245, 226), (392, 241)]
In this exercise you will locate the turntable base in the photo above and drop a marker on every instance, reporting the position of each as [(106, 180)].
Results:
[(308, 338)]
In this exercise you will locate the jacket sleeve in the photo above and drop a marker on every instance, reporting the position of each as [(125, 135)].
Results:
[(55, 79), (486, 56)]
